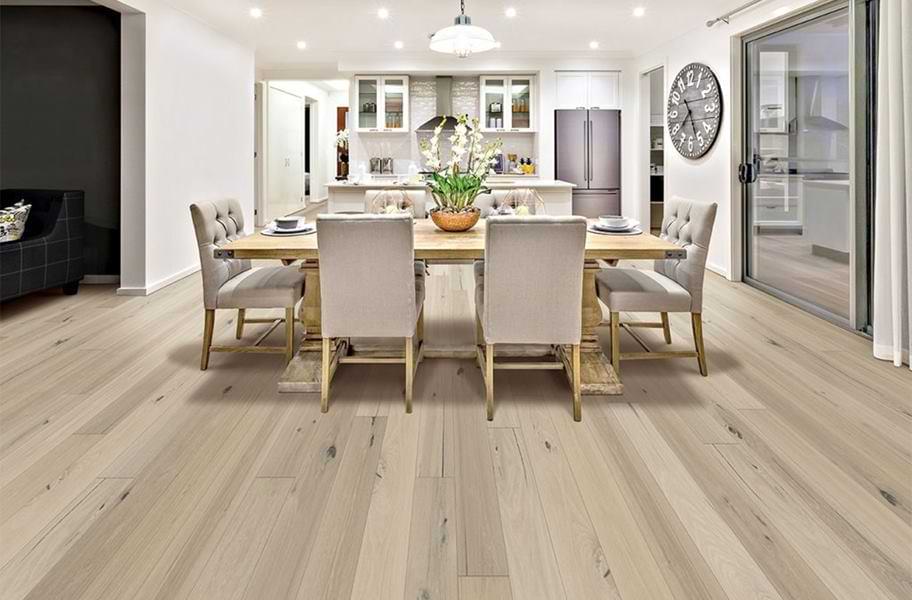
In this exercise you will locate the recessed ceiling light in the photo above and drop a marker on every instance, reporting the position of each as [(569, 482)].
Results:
[(398, 45), (593, 45), (497, 44), (302, 45), (639, 11), (256, 12), (383, 13), (510, 12)]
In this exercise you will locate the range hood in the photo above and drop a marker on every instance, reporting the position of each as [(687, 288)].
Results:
[(816, 112), (444, 107)]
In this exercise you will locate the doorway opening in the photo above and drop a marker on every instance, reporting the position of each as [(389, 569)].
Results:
[(296, 148), (656, 148)]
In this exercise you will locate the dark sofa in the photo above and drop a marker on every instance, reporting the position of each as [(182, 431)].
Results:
[(51, 250)]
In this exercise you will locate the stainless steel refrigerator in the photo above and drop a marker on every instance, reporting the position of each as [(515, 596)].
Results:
[(587, 152)]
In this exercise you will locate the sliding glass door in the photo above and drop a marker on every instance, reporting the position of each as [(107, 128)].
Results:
[(799, 207)]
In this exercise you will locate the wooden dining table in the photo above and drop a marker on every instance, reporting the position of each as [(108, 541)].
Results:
[(433, 245)]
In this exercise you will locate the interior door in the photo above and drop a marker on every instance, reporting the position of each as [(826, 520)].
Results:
[(604, 149), (571, 135), (285, 176), (799, 213)]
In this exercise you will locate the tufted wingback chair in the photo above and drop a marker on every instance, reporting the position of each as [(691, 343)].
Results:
[(236, 284), (688, 224), (217, 223), (676, 285)]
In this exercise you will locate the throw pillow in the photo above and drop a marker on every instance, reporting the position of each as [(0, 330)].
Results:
[(12, 221)]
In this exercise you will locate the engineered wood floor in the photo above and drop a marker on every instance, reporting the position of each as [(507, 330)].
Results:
[(126, 473)]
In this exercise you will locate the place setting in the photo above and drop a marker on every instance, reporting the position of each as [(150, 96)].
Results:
[(615, 225), (289, 227)]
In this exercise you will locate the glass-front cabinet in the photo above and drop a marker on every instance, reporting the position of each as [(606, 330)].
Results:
[(507, 103), (381, 103)]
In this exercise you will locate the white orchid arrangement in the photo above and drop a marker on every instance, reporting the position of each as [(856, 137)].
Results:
[(456, 184), (342, 139)]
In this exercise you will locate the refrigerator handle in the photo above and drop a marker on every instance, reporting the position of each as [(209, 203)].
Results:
[(590, 151), (585, 152)]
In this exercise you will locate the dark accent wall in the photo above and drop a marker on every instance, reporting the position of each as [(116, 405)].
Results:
[(60, 113)]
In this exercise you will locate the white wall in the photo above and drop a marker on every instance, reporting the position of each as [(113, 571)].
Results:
[(197, 140), (711, 177)]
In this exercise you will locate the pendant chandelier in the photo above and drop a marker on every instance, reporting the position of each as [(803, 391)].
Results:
[(462, 38)]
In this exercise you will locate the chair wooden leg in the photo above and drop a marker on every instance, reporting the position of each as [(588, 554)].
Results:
[(240, 324), (289, 333), (666, 328), (208, 326), (409, 372), (696, 320), (419, 328), (616, 342), (577, 404), (489, 381), (324, 381)]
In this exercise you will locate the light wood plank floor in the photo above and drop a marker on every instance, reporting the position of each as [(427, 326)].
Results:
[(126, 473)]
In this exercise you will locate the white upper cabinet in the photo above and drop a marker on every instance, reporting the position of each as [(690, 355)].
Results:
[(381, 103), (507, 103), (588, 89)]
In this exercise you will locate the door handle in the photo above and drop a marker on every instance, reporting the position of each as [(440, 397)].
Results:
[(747, 172)]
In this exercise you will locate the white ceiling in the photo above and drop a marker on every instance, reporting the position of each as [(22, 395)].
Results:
[(333, 28)]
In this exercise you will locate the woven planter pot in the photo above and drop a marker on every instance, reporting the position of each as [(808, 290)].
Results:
[(461, 221)]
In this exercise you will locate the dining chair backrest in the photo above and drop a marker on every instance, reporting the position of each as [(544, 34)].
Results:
[(375, 200), (489, 202), (688, 224), (533, 279), (367, 275), (216, 223)]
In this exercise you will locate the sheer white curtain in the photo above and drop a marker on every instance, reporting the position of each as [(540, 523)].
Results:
[(893, 202)]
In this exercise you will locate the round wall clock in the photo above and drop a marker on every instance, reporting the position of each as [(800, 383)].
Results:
[(694, 110)]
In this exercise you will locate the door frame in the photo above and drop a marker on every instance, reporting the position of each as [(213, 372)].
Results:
[(858, 152), (644, 208)]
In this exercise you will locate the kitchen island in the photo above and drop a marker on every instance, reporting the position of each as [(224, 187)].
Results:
[(556, 195)]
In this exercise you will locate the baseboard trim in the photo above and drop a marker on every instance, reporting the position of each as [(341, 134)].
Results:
[(100, 279), (161, 283), (719, 270)]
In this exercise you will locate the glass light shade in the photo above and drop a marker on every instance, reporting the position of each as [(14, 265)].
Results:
[(462, 40)]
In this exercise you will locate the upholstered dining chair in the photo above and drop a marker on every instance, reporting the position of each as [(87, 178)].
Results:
[(235, 284), (371, 287), (415, 200), (675, 285), (530, 292)]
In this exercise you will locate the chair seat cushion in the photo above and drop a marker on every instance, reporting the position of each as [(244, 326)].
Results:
[(637, 290), (263, 287)]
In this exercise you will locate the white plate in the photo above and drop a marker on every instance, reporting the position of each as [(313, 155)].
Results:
[(289, 233), (635, 231), (633, 225)]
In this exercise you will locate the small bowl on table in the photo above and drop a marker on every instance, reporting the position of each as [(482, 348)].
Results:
[(287, 222), (614, 222)]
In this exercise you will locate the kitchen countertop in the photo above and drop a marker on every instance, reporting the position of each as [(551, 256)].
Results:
[(492, 183)]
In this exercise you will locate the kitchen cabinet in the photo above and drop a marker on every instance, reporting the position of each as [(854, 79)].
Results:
[(381, 103), (773, 91), (507, 103), (777, 202), (588, 89)]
